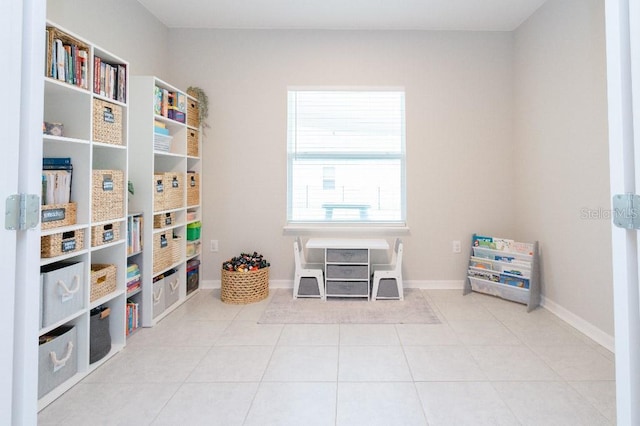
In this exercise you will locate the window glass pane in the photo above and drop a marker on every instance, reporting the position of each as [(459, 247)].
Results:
[(346, 156)]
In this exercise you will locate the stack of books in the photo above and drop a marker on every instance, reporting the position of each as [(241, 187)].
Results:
[(56, 180), (133, 278)]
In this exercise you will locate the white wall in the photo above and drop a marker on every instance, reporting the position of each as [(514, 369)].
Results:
[(562, 155), (459, 103), (122, 27)]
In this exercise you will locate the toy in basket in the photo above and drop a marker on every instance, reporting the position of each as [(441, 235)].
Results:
[(245, 279)]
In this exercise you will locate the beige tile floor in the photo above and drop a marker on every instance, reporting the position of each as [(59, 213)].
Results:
[(488, 363)]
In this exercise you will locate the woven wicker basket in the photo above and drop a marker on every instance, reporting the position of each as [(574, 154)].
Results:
[(55, 33), (107, 195), (192, 143), (56, 215), (177, 249), (62, 243), (173, 190), (103, 280), (193, 189), (193, 114), (158, 192), (240, 288), (163, 220), (107, 122), (105, 234), (162, 251)]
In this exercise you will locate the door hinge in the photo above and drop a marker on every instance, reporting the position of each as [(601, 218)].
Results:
[(626, 211), (22, 211)]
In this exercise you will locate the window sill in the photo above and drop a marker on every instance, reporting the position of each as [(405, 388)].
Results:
[(381, 229)]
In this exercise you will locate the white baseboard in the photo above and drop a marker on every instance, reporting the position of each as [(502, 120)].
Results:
[(421, 284), (580, 324)]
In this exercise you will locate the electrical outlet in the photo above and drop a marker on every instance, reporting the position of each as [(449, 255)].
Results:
[(214, 245), (456, 247)]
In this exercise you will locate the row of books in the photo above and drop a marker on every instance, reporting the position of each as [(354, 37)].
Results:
[(109, 80), (497, 277), (134, 234), (502, 244), (133, 319), (57, 176), (66, 60), (170, 104)]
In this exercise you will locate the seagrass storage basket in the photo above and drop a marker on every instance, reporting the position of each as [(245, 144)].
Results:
[(107, 195), (193, 114), (163, 220), (177, 249), (193, 189), (107, 122), (240, 288), (56, 215), (55, 33), (193, 149), (103, 280), (159, 188), (173, 190), (105, 234), (61, 243), (162, 251)]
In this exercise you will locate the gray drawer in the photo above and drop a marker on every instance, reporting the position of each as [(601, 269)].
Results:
[(347, 255), (348, 288), (348, 271)]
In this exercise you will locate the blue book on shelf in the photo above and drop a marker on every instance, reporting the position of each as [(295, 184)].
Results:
[(161, 130)]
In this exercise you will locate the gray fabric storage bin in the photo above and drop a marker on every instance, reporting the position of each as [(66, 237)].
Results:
[(62, 291), (348, 271), (171, 288), (158, 297), (57, 359), (388, 287), (308, 287), (348, 255), (348, 288), (99, 334)]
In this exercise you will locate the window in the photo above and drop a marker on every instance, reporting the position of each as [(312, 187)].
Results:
[(346, 156)]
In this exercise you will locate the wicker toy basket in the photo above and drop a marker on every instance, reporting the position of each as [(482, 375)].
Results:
[(240, 288)]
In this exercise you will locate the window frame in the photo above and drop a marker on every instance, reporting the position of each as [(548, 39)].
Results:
[(352, 225)]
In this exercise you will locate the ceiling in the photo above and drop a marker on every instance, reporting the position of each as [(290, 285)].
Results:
[(457, 15)]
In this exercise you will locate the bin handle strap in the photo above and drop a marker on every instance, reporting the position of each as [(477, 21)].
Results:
[(156, 299), (61, 362), (174, 285), (66, 290)]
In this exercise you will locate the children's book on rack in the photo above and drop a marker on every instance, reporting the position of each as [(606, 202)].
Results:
[(504, 268)]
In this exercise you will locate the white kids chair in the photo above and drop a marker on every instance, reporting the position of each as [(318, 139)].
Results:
[(305, 271), (387, 273)]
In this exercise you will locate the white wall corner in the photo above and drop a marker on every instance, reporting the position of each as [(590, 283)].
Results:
[(579, 323)]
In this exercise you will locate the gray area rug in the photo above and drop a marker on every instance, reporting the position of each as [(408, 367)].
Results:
[(284, 309)]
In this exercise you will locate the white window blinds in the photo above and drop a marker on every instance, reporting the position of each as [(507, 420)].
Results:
[(346, 156)]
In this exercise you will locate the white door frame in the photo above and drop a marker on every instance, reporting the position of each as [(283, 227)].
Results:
[(623, 69), (22, 25)]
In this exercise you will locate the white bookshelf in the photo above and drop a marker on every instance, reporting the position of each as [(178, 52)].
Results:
[(72, 106), (149, 162)]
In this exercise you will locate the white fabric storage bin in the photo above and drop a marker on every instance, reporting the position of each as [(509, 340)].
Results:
[(171, 288), (57, 358), (62, 291), (158, 297)]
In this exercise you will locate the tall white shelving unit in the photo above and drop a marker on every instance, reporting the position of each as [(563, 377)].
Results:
[(164, 227), (73, 106)]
